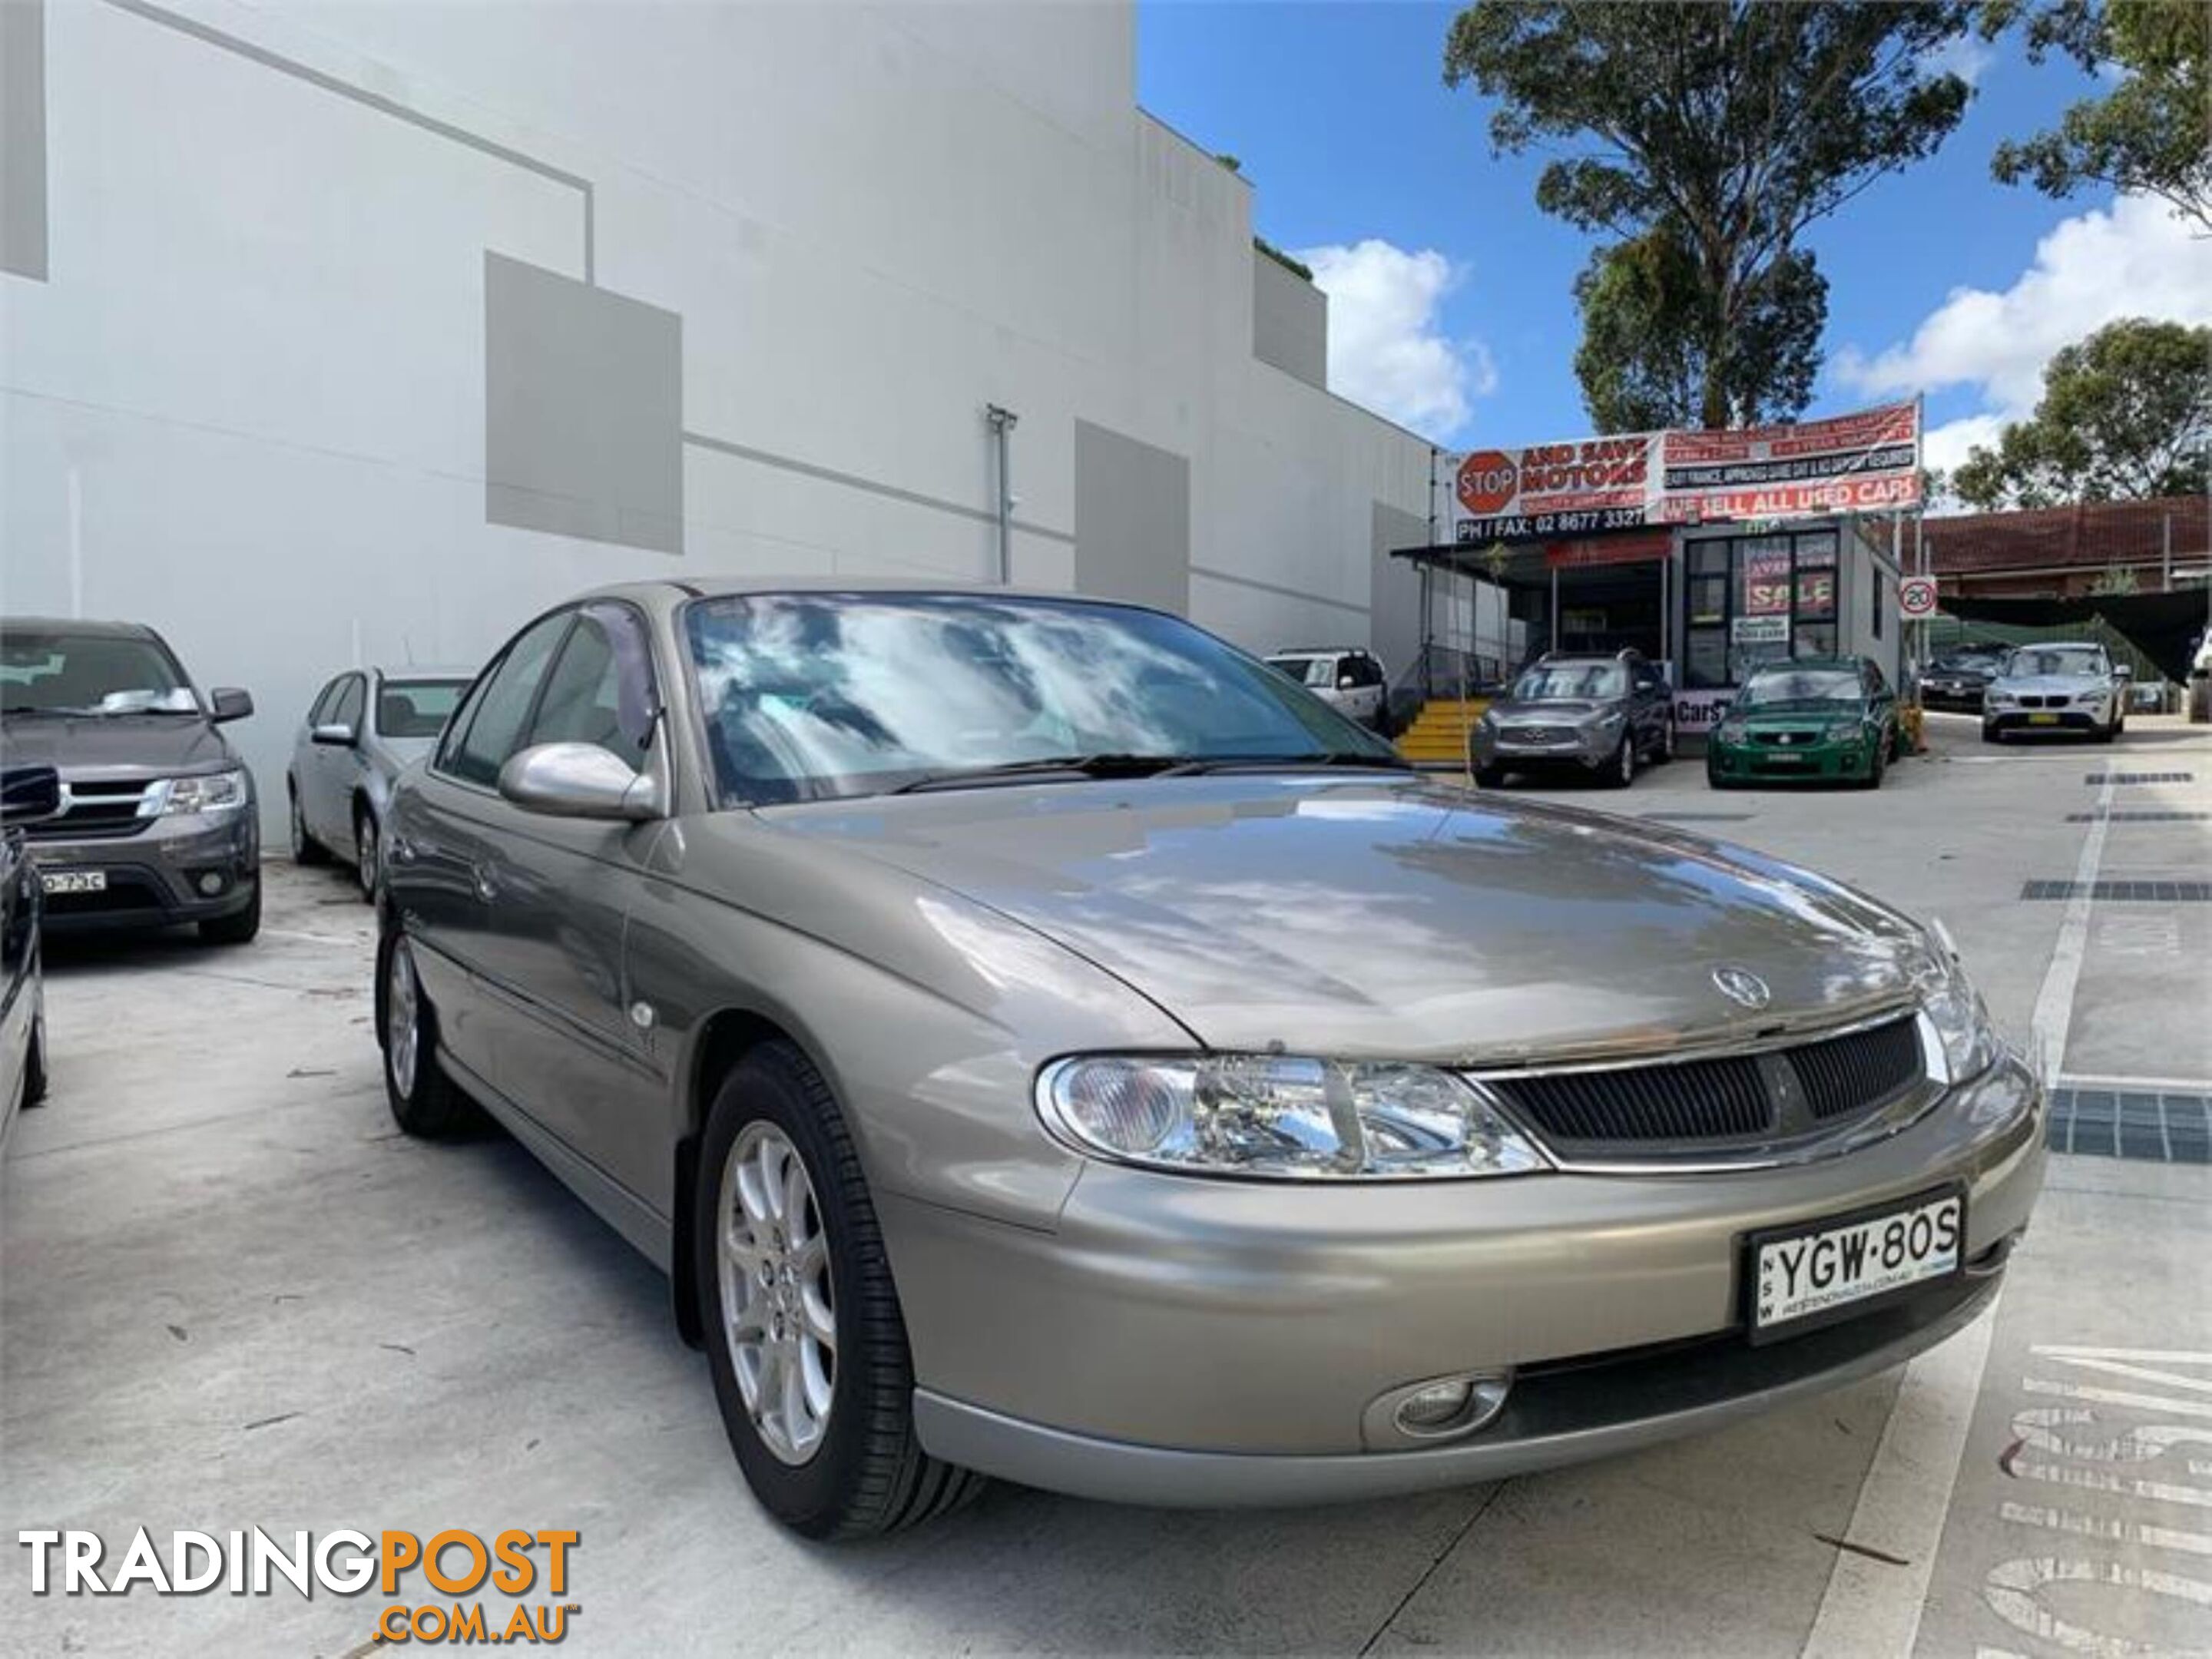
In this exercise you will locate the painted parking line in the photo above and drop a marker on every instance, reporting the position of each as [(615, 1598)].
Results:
[(1871, 1608)]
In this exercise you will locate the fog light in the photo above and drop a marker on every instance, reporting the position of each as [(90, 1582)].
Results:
[(211, 884), (1452, 1405)]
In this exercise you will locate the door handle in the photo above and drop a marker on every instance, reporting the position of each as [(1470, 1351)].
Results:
[(487, 888)]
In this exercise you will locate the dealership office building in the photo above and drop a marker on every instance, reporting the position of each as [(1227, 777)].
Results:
[(358, 334)]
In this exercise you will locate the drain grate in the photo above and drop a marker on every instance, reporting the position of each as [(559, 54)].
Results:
[(2096, 778), (1699, 818), (2158, 1125), (2123, 892), (2137, 817)]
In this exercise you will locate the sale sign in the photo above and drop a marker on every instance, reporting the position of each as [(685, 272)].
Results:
[(1766, 584), (1867, 461)]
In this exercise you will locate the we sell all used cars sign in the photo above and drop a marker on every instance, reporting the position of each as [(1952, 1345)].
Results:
[(1860, 463)]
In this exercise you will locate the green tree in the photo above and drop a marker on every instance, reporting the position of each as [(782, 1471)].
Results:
[(2152, 131), (1647, 326), (2125, 415), (1729, 124)]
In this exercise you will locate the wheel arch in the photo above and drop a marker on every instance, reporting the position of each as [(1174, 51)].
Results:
[(723, 1039)]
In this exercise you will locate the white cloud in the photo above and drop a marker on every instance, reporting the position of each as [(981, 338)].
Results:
[(1385, 348), (2135, 259), (1967, 55)]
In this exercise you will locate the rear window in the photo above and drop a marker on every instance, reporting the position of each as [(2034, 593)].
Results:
[(1307, 670), (417, 709)]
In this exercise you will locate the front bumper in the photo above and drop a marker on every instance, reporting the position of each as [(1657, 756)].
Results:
[(1590, 750), (1780, 762), (1184, 1340), (155, 878), (2044, 719)]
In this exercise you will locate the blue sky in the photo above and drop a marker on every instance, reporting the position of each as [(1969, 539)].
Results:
[(1940, 279)]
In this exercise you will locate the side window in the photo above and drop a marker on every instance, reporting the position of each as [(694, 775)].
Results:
[(501, 706), (600, 692), (325, 699), (346, 711)]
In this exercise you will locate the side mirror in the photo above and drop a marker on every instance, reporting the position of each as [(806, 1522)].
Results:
[(29, 794), (578, 780), (335, 734), (1346, 681), (227, 702), (2122, 671)]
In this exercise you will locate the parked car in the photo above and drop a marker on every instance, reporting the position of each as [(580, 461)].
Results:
[(1956, 679), (28, 794), (364, 728), (157, 824), (1831, 718), (1596, 716), (2070, 687), (1345, 678), (1040, 1041)]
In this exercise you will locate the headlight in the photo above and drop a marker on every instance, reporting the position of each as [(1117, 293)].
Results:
[(1843, 731), (1732, 732), (1288, 1119), (1489, 718), (1998, 699), (213, 792), (1610, 717), (1955, 1012), (2091, 698)]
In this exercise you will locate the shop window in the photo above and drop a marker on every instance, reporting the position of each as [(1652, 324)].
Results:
[(1816, 638), (1705, 662)]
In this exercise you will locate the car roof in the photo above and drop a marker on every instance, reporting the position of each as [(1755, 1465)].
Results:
[(667, 588), (2059, 645), (85, 625), (417, 670), (1318, 651)]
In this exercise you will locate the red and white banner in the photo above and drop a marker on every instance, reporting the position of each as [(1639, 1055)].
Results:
[(1865, 462)]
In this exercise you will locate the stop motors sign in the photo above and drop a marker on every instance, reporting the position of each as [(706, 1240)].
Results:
[(1916, 597)]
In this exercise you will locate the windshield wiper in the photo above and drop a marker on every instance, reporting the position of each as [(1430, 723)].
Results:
[(1080, 766), (1278, 763)]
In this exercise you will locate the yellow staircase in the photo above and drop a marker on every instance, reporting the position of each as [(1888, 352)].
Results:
[(1438, 734)]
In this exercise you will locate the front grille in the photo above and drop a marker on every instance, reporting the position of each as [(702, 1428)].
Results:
[(1782, 739), (1859, 1069), (1696, 1099), (94, 810), (1736, 1100), (1538, 734), (2032, 701)]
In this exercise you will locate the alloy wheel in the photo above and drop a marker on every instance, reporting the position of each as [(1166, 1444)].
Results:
[(779, 1307), (401, 1027), (1627, 761)]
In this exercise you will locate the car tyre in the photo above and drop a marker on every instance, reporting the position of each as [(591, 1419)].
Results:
[(1876, 763), (863, 1472), (240, 925), (305, 849), (367, 852), (1992, 733), (1714, 780), (1490, 777), (1621, 771), (34, 1063), (425, 1103), (1666, 741)]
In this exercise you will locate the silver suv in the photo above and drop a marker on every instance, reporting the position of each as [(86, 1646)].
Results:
[(2067, 687), (1599, 716)]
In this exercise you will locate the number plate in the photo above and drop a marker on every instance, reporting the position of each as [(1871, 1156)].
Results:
[(2042, 720), (1808, 1275), (74, 881)]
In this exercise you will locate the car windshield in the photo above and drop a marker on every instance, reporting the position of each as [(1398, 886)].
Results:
[(814, 696), (2056, 659), (1801, 685), (1553, 682), (64, 672), (1965, 662), (1308, 671), (417, 709)]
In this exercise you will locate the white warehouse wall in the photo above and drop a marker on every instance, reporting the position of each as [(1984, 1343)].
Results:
[(248, 397)]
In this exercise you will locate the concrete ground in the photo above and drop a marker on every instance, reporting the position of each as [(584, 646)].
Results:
[(231, 1294)]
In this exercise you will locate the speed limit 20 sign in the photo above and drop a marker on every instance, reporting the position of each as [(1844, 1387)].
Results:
[(1916, 597)]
